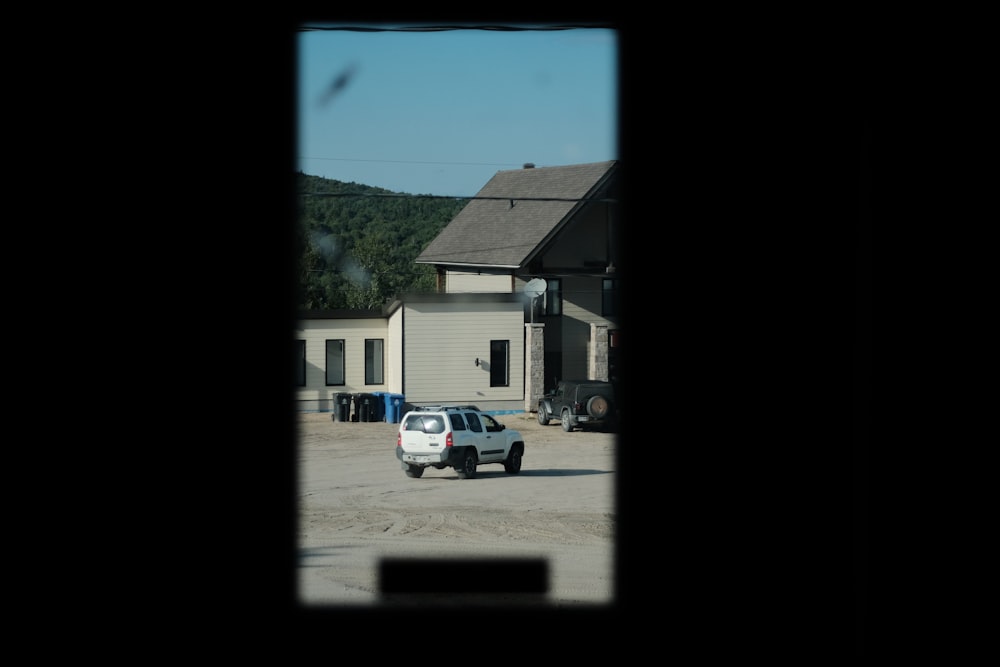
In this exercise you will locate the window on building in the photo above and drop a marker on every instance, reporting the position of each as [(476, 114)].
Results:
[(335, 363), (609, 297), (499, 363), (553, 296), (300, 365), (374, 359)]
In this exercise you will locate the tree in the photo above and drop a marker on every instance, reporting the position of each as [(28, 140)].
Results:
[(359, 251), (370, 274)]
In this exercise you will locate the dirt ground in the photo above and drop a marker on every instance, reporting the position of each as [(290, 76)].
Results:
[(357, 507)]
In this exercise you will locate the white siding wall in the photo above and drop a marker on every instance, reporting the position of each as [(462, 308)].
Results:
[(443, 342), (465, 281), (394, 353), (353, 332)]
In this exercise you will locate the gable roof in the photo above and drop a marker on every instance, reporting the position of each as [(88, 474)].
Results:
[(493, 232)]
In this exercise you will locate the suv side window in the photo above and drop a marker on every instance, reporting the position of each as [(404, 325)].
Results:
[(474, 423), (457, 423), (491, 425)]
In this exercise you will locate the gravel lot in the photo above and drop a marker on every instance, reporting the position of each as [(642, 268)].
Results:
[(356, 508)]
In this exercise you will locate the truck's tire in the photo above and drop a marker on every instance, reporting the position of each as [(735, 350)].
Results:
[(543, 416)]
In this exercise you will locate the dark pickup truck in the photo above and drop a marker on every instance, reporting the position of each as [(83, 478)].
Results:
[(584, 403)]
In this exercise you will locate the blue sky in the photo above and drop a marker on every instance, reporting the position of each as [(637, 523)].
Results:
[(441, 112)]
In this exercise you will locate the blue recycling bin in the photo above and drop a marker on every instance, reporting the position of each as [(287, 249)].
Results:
[(393, 407)]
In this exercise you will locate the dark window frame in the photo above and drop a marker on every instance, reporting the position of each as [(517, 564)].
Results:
[(343, 362), (609, 297), (553, 297), (369, 361), (499, 368), (300, 372)]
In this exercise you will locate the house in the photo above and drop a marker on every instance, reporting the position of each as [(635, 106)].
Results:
[(558, 224), (481, 338), (429, 348)]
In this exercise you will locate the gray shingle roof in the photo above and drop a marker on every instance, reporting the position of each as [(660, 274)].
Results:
[(490, 232)]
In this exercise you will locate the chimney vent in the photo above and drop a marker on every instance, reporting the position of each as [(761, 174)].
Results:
[(529, 165)]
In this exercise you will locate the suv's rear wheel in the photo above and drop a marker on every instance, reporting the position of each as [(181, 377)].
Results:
[(513, 463), (567, 421), (466, 469), (414, 471)]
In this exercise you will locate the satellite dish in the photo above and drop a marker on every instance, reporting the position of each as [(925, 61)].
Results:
[(535, 287)]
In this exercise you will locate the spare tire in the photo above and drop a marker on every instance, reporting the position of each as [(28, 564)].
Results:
[(597, 407)]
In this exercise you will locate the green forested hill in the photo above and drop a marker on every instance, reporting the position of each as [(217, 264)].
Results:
[(357, 251)]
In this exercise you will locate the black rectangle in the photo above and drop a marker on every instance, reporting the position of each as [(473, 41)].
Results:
[(460, 576)]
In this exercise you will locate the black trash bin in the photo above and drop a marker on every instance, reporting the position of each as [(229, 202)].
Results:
[(342, 407), (379, 407), (364, 405)]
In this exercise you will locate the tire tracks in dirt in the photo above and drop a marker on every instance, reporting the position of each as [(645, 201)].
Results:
[(461, 523)]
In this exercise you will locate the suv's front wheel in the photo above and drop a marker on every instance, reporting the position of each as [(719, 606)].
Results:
[(543, 415), (466, 468), (513, 463)]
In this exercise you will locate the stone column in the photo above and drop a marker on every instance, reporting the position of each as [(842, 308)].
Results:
[(534, 365), (597, 368)]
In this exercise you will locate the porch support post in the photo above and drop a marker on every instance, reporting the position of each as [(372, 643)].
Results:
[(597, 367), (534, 360)]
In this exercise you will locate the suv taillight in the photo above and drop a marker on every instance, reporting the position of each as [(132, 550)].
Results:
[(448, 440), (399, 438), (577, 406)]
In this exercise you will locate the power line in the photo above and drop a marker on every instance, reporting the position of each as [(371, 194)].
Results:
[(409, 196), (473, 164), (438, 28)]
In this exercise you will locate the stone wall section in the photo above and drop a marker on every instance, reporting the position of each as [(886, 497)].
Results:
[(534, 372), (597, 366)]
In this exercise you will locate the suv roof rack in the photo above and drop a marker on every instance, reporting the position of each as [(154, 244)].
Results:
[(442, 408)]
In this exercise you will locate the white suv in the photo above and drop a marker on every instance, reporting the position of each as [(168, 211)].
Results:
[(459, 437)]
